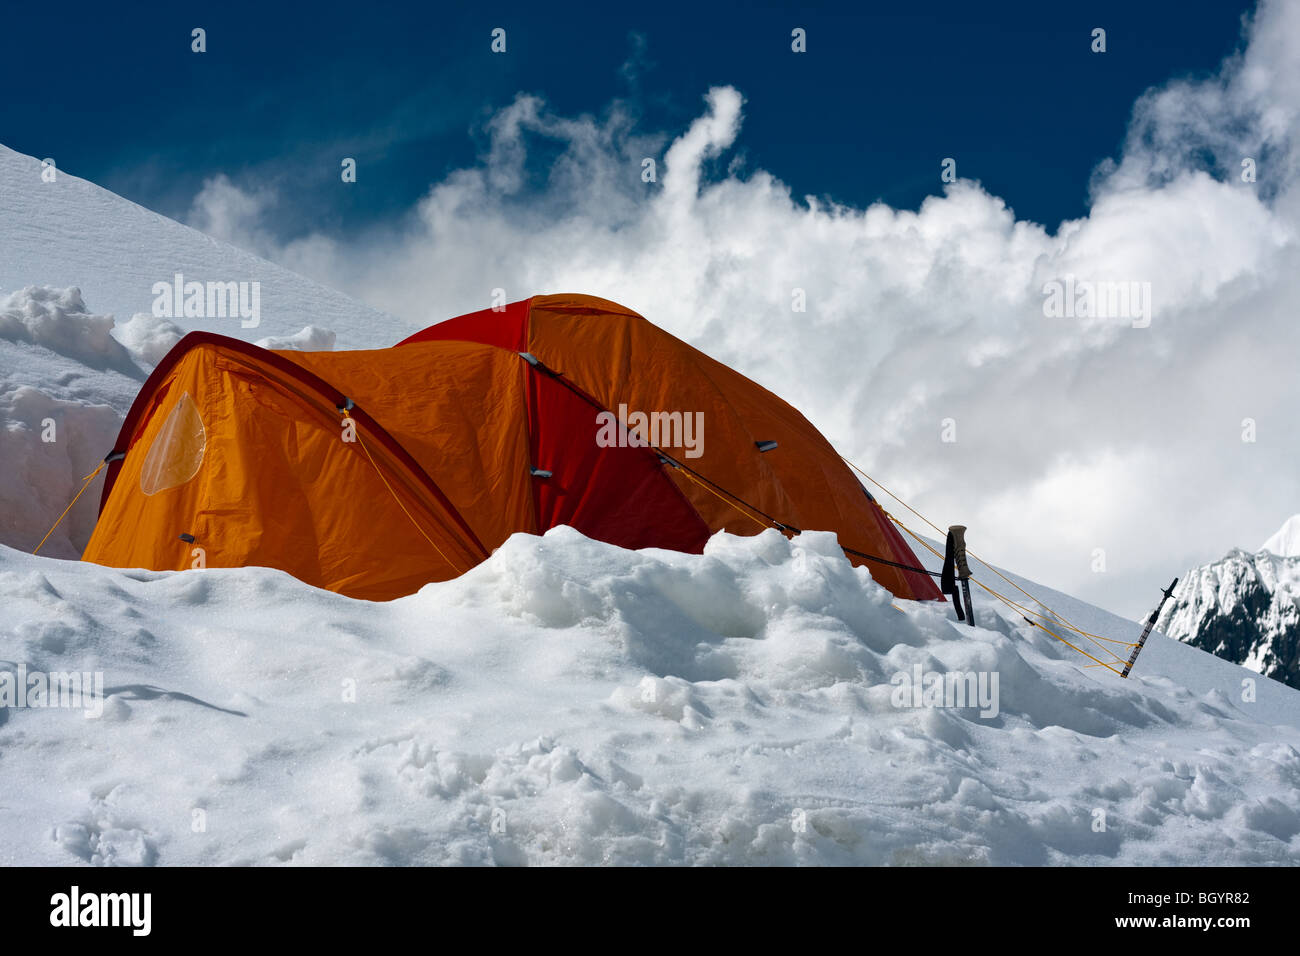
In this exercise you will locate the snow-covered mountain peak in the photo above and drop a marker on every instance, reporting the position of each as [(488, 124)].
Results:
[(1245, 608), (1286, 541)]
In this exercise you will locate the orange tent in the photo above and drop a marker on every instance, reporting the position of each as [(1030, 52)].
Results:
[(374, 472)]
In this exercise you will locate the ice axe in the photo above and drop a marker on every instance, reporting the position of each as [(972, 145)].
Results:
[(956, 569)]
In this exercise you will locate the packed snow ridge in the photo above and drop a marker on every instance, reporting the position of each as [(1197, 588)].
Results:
[(568, 701)]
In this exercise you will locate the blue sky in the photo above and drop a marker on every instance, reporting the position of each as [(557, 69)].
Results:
[(1011, 91)]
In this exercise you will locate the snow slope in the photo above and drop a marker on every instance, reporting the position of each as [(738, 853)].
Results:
[(1191, 668), (72, 233), (571, 702)]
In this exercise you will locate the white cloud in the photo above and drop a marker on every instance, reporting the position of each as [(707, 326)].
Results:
[(1073, 434), (233, 213)]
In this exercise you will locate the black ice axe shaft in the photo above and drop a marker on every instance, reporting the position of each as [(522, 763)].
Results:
[(1151, 622), (955, 568)]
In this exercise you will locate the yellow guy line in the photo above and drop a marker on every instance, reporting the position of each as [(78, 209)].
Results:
[(1006, 601), (85, 483), (757, 521), (380, 473), (1061, 620)]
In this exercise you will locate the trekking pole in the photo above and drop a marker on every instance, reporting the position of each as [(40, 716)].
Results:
[(1151, 622), (956, 568), (963, 569)]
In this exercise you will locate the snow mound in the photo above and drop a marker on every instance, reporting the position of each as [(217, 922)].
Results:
[(1285, 542), (568, 701), (56, 319), (148, 337), (310, 339)]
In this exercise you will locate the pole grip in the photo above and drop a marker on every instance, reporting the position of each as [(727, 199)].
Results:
[(958, 532)]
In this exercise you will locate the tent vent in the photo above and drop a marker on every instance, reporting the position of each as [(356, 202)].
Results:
[(765, 445)]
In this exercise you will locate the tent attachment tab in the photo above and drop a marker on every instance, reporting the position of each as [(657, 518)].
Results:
[(538, 364)]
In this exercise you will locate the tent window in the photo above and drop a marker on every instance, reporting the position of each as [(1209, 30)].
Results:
[(175, 455)]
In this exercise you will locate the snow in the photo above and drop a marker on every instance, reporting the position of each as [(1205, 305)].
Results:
[(1286, 541), (310, 339), (148, 337), (65, 384), (568, 701), (72, 233), (1192, 669), (57, 320)]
